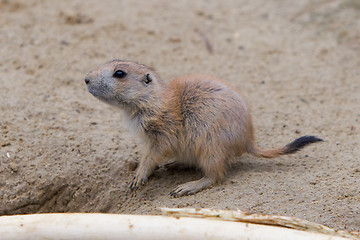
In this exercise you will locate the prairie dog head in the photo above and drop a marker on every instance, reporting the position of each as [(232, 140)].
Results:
[(124, 84)]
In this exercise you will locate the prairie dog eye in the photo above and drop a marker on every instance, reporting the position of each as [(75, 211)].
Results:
[(148, 79), (119, 74)]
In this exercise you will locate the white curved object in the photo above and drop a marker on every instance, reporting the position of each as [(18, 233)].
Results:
[(118, 226)]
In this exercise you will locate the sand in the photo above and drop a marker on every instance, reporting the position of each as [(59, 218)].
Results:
[(297, 63)]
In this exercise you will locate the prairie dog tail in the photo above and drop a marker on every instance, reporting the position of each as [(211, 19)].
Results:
[(292, 147)]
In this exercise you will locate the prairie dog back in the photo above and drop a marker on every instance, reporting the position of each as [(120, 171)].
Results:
[(212, 114)]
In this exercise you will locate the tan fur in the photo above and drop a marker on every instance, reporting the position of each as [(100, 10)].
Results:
[(196, 119)]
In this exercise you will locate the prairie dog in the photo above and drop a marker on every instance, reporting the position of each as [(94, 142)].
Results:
[(196, 119)]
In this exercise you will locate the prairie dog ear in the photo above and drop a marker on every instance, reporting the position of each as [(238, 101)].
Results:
[(148, 79)]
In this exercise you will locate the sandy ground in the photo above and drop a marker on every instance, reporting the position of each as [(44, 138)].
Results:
[(297, 63)]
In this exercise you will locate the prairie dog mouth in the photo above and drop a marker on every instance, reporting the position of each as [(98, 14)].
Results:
[(103, 96)]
